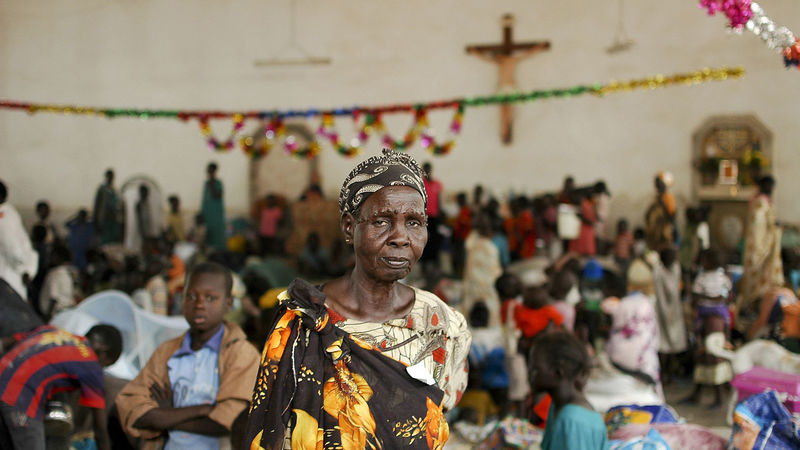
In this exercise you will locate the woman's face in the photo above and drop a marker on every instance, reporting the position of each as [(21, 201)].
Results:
[(389, 233)]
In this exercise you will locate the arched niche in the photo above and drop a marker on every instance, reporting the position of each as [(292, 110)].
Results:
[(129, 191), (729, 153), (279, 172)]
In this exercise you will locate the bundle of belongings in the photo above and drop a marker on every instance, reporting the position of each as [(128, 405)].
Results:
[(508, 433), (762, 421), (656, 427)]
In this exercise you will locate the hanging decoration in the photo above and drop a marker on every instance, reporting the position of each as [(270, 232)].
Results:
[(427, 140), (776, 37), (746, 14), (255, 151), (660, 81), (293, 148), (420, 123), (737, 11), (275, 129), (213, 142), (328, 130)]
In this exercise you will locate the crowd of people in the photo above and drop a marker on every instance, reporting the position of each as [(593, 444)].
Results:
[(516, 304)]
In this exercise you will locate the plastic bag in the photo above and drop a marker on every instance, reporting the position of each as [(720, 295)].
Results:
[(760, 422), (622, 415)]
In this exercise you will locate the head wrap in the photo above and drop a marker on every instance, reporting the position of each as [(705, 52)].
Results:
[(666, 178), (388, 169)]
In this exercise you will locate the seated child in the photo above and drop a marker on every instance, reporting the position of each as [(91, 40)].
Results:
[(61, 287), (535, 315), (560, 368), (195, 386), (42, 362), (487, 354)]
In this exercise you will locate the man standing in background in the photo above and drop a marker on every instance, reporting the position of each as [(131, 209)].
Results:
[(434, 190), (18, 261)]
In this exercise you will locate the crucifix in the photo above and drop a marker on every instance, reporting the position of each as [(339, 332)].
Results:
[(506, 55)]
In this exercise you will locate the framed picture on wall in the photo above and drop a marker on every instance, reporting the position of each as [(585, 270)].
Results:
[(728, 171)]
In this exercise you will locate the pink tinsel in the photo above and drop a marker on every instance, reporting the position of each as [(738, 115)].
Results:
[(737, 11)]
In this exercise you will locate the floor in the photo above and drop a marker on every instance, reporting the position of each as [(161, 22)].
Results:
[(700, 414)]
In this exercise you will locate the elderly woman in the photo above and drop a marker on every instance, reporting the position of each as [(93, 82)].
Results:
[(364, 361)]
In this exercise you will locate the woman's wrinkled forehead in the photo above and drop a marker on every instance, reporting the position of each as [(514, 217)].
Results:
[(390, 201), (388, 169)]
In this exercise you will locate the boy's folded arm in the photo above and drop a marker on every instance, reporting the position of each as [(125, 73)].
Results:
[(163, 419), (226, 411), (203, 425), (134, 401)]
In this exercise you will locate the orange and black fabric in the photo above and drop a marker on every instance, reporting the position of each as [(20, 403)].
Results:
[(319, 387)]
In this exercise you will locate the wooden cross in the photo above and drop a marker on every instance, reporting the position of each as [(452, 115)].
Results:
[(506, 55)]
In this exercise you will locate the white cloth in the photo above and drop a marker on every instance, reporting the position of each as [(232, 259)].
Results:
[(481, 269), (17, 256), (59, 285), (602, 206), (607, 387), (703, 235), (669, 310), (142, 332)]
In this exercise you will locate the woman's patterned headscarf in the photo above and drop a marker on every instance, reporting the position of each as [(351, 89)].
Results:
[(388, 169)]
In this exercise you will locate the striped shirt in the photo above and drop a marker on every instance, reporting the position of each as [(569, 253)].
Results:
[(46, 361)]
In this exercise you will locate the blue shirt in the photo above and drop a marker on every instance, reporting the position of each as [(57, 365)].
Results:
[(574, 428), (194, 377)]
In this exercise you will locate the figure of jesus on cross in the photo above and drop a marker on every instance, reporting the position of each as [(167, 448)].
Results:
[(506, 55)]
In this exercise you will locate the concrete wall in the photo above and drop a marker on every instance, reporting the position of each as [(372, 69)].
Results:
[(199, 54)]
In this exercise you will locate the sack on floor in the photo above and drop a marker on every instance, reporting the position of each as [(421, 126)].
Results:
[(653, 441), (761, 421)]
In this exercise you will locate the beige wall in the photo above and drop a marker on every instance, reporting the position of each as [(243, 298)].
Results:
[(193, 54)]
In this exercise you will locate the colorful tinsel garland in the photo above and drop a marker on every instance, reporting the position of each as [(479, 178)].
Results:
[(275, 129), (750, 15)]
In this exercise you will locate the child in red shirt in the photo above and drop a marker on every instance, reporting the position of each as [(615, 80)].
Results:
[(536, 314)]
